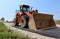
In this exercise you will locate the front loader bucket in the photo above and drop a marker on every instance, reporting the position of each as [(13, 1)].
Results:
[(41, 21)]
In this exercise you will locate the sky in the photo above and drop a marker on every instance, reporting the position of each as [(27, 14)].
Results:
[(8, 7)]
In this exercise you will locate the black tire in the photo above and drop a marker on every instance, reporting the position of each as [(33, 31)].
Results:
[(16, 24), (24, 21)]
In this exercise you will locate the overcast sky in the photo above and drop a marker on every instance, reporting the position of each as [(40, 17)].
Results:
[(8, 7)]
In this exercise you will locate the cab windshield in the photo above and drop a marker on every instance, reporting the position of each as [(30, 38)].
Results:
[(27, 9)]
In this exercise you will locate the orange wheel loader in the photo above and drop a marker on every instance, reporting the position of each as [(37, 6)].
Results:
[(28, 18)]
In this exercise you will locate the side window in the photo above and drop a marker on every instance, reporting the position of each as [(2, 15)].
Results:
[(20, 8)]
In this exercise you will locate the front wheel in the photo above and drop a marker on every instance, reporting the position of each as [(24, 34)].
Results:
[(24, 21)]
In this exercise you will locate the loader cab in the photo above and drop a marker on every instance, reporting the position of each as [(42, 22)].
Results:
[(25, 8)]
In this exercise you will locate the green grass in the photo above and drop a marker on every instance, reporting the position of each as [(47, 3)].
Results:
[(5, 32), (2, 26)]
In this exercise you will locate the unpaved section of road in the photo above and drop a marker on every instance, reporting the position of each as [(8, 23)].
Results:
[(34, 35)]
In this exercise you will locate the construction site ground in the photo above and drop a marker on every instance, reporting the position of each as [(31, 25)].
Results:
[(53, 33)]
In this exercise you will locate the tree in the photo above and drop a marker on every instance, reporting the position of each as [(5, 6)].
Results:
[(2, 19)]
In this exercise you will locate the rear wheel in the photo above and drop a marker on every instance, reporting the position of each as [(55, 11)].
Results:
[(24, 21), (16, 24)]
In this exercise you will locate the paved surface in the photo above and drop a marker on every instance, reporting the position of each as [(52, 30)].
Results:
[(55, 32), (51, 32)]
